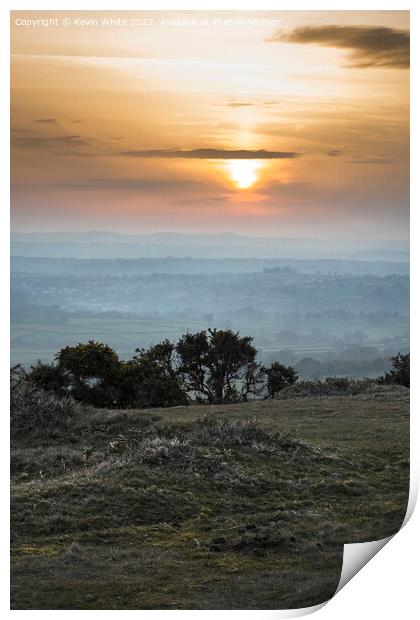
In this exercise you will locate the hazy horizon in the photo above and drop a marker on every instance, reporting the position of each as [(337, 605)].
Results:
[(193, 233), (111, 244)]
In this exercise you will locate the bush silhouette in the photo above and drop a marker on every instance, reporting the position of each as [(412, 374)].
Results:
[(92, 372), (400, 372), (279, 377), (149, 379), (213, 367), (219, 366)]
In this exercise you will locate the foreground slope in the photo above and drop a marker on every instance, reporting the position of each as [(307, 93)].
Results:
[(232, 507)]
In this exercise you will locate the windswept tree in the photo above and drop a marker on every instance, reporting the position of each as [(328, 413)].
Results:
[(219, 366)]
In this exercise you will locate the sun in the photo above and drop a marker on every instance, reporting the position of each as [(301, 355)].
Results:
[(243, 172)]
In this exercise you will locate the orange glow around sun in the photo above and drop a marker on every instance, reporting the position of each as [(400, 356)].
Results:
[(243, 172)]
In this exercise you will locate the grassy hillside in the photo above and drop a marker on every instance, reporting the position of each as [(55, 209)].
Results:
[(229, 507)]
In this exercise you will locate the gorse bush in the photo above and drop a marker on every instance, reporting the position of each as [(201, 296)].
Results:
[(209, 367), (279, 377), (334, 386), (217, 366), (30, 405), (331, 386), (400, 372), (92, 374)]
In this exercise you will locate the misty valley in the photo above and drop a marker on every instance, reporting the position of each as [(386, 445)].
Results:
[(324, 316)]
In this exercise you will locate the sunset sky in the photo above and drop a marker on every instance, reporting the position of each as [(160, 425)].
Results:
[(294, 129)]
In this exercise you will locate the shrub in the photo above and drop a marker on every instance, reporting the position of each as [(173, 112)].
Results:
[(93, 374), (174, 452), (157, 450), (331, 386), (49, 377), (279, 377), (91, 371), (205, 448), (150, 379), (229, 433), (225, 433), (31, 406), (400, 372)]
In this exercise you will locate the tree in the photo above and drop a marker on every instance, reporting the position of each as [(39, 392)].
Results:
[(92, 372), (279, 377), (400, 372), (150, 379), (218, 366)]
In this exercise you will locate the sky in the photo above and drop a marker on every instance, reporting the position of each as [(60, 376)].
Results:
[(296, 124)]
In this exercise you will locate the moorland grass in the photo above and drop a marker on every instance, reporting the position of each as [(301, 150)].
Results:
[(242, 506)]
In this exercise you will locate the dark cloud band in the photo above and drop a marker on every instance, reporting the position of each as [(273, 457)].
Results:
[(370, 46), (41, 142), (46, 121), (212, 154)]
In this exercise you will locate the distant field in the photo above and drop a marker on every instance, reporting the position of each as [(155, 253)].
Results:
[(160, 509), (30, 341), (36, 340)]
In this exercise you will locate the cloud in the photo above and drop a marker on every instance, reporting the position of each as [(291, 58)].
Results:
[(245, 104), (370, 46), (370, 160), (334, 153), (47, 121), (170, 187), (212, 154), (41, 142), (18, 130), (239, 104), (132, 184)]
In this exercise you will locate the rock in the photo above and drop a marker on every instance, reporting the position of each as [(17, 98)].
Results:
[(89, 598)]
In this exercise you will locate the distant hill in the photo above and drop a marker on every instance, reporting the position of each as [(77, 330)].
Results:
[(104, 244), (188, 265)]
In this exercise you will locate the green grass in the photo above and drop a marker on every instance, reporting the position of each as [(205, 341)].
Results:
[(157, 509)]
